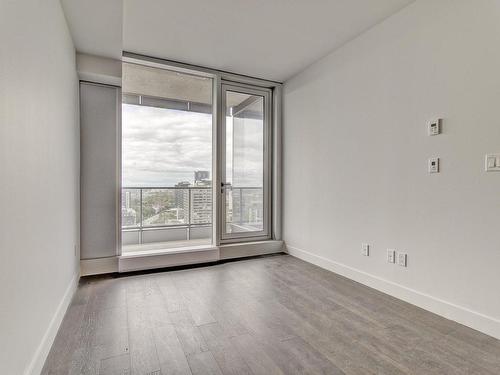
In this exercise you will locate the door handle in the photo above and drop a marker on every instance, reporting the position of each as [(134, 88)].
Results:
[(224, 186)]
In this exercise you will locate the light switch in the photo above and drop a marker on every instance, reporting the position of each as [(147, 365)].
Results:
[(434, 165), (402, 259), (492, 163), (365, 249), (391, 256)]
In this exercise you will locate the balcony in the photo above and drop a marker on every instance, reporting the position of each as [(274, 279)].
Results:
[(157, 218)]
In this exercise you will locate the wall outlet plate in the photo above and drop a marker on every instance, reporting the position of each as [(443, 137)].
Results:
[(391, 256), (433, 165), (492, 163), (365, 249), (402, 259), (434, 127)]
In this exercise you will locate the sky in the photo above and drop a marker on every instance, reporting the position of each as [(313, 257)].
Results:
[(161, 147)]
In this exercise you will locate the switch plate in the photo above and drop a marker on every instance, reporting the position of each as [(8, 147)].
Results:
[(492, 163), (365, 249), (402, 257), (391, 256), (434, 127), (434, 165)]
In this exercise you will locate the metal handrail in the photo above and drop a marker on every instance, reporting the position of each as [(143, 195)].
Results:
[(184, 187), (188, 225)]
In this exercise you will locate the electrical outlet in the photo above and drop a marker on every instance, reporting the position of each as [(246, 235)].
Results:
[(365, 249), (391, 256), (492, 163), (76, 250), (402, 257)]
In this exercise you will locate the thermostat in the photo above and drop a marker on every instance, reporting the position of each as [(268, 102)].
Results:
[(435, 127)]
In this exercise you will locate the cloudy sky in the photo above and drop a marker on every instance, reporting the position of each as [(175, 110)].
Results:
[(162, 147)]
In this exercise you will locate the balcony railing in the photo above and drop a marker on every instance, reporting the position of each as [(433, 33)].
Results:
[(159, 214)]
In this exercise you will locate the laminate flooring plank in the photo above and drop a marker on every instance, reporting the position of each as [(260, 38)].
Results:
[(219, 342), (203, 363), (188, 333), (269, 315), (200, 312), (118, 365), (339, 348), (298, 357), (255, 356), (230, 361), (143, 354), (170, 354), (111, 332), (171, 295)]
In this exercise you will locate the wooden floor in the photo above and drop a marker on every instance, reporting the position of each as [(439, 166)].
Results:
[(272, 315)]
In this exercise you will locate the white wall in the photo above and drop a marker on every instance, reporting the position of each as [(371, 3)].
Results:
[(356, 150), (39, 172)]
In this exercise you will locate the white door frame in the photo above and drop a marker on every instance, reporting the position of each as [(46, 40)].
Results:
[(265, 234)]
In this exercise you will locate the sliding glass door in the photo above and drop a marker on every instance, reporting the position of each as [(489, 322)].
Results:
[(189, 181), (245, 163)]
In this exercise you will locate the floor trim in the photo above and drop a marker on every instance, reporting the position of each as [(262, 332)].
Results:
[(137, 261), (128, 263), (459, 314), (98, 266), (247, 249), (38, 360)]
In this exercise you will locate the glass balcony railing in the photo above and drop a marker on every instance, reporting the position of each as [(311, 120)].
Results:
[(184, 212)]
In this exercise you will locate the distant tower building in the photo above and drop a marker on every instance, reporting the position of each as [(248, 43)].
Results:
[(182, 199), (200, 176), (201, 198), (201, 205)]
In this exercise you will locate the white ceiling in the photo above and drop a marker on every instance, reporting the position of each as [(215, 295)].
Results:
[(96, 26), (272, 39)]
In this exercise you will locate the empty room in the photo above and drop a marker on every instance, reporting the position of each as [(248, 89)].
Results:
[(249, 187)]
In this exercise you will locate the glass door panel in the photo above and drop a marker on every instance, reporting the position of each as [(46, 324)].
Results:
[(245, 161), (166, 159)]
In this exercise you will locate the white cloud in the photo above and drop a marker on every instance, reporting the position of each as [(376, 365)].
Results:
[(162, 147)]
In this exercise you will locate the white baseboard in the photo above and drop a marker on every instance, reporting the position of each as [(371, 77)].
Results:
[(248, 249), (127, 263), (36, 364), (175, 257), (98, 266), (459, 314)]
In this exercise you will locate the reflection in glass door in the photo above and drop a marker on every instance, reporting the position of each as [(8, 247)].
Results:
[(245, 162)]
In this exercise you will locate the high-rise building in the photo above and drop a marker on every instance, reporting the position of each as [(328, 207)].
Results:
[(182, 200), (195, 201), (201, 205), (201, 176)]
